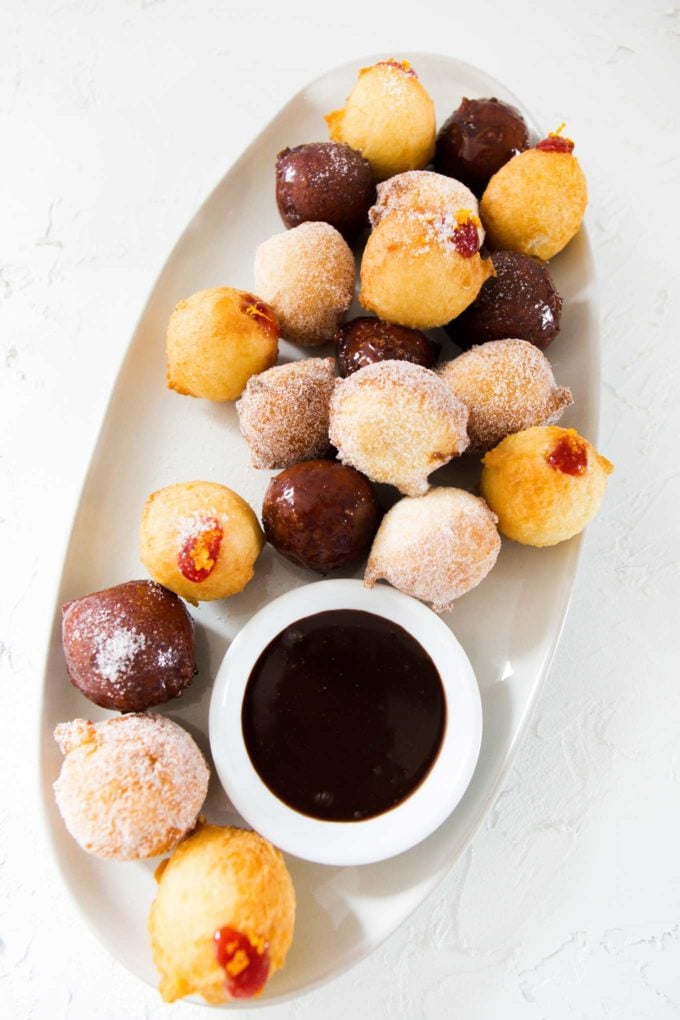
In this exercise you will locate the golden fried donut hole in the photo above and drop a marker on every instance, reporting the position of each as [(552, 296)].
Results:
[(389, 118), (507, 385), (436, 547), (544, 484), (216, 340), (200, 540), (413, 274), (220, 880), (535, 203), (397, 422)]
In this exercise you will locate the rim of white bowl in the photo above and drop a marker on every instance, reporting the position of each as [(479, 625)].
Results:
[(371, 839)]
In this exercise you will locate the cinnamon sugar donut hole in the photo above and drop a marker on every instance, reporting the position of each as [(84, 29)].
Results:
[(307, 276), (436, 547), (397, 423), (507, 386), (284, 413), (129, 787), (216, 340), (389, 118)]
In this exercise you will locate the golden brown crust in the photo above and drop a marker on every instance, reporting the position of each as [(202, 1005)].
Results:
[(216, 340), (535, 203), (389, 118), (218, 877), (537, 504), (412, 274), (169, 516)]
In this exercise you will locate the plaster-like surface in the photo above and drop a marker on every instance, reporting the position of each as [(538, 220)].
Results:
[(116, 120)]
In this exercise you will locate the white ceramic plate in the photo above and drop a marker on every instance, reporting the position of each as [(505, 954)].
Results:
[(151, 437)]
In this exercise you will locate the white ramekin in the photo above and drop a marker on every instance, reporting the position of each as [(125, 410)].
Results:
[(370, 839)]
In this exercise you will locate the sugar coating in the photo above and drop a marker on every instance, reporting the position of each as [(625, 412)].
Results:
[(129, 787), (397, 422), (116, 642), (435, 231), (109, 629), (423, 191), (307, 276), (507, 385), (436, 547), (284, 413)]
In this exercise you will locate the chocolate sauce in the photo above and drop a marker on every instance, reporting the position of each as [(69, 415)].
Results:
[(343, 715)]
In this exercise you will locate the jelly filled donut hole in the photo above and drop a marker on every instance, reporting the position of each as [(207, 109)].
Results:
[(200, 540)]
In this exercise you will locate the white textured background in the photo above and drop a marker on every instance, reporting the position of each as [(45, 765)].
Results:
[(116, 119)]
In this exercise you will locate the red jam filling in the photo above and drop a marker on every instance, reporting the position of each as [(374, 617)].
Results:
[(466, 239), (400, 65), (555, 143), (570, 455), (259, 311), (198, 555), (246, 965)]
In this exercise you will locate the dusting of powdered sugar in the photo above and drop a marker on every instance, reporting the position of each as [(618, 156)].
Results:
[(115, 652), (190, 526), (426, 192), (129, 646), (114, 641)]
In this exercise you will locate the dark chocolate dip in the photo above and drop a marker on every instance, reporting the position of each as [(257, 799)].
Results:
[(343, 715)]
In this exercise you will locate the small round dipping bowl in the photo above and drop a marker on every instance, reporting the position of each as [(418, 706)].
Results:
[(425, 808)]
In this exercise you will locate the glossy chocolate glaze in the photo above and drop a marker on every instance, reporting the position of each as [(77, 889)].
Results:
[(520, 302), (327, 182), (129, 647), (343, 715), (320, 514), (365, 340), (478, 139)]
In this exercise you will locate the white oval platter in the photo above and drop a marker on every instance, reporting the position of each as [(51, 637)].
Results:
[(151, 437)]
